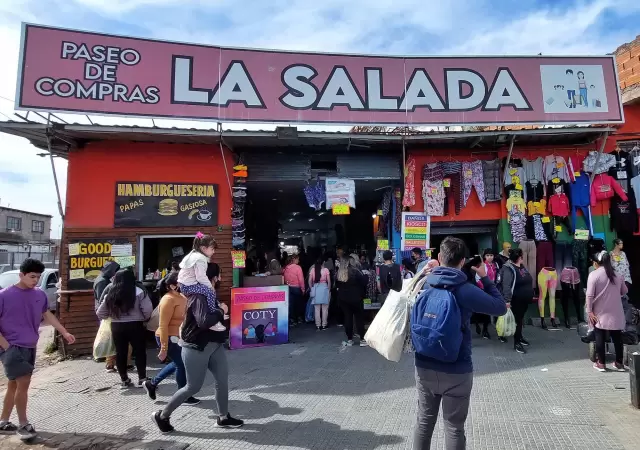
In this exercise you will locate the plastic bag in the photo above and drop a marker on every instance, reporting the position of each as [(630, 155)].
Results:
[(388, 332), (103, 346), (506, 325), (309, 315)]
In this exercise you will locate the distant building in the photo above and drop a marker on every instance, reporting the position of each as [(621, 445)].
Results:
[(24, 228)]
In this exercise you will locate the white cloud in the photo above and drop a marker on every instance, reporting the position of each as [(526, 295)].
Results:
[(456, 27)]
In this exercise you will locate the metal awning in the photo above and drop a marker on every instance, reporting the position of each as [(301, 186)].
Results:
[(66, 137)]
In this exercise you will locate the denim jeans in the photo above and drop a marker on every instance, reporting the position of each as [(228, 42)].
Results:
[(174, 351)]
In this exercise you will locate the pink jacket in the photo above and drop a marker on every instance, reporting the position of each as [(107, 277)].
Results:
[(608, 305), (603, 187), (293, 276)]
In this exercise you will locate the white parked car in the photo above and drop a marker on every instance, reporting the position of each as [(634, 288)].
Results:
[(47, 284)]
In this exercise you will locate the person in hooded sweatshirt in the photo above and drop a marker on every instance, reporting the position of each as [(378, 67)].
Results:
[(99, 285), (449, 383)]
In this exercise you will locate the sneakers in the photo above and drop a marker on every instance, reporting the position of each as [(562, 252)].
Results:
[(363, 343), (164, 425), (486, 335), (26, 432), (191, 401), (110, 369), (599, 367), (126, 384), (229, 422), (524, 342), (150, 388), (503, 339), (218, 327), (519, 348), (7, 427), (619, 367), (347, 343), (142, 382)]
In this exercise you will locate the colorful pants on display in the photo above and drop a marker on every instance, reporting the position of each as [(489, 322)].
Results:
[(433, 195), (547, 282), (529, 253), (472, 177), (574, 215)]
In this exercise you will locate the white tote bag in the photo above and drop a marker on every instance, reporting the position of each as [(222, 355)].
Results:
[(389, 328)]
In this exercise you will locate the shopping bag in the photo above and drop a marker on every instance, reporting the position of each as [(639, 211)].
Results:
[(388, 331), (309, 312), (506, 325), (103, 346), (154, 320)]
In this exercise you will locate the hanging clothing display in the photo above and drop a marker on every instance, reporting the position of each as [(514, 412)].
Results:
[(433, 196), (492, 185), (518, 222), (534, 190), (432, 171), (315, 195), (580, 253), (409, 198), (559, 205), (472, 178), (580, 199), (563, 256), (397, 216), (533, 170), (544, 255), (385, 206), (537, 229), (529, 253), (604, 187), (634, 160), (635, 186), (555, 167), (570, 284), (605, 162), (621, 171), (575, 163), (538, 207), (452, 170), (624, 215)]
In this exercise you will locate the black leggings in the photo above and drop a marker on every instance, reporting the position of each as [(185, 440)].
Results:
[(519, 309), (616, 338), (353, 309), (125, 334), (571, 291)]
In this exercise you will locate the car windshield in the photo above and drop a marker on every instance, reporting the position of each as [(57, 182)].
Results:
[(8, 279)]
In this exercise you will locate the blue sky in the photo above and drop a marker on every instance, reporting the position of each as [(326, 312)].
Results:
[(400, 27)]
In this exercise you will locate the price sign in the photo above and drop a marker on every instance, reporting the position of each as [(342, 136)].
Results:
[(238, 259), (581, 235), (546, 220), (558, 228), (340, 209), (446, 182), (383, 244)]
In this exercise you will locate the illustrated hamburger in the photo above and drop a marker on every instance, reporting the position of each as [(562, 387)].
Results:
[(91, 275), (168, 207)]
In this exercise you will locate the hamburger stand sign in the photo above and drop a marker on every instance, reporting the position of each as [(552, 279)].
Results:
[(149, 205), (88, 256)]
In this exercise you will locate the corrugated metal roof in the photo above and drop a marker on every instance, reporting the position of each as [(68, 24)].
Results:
[(74, 136)]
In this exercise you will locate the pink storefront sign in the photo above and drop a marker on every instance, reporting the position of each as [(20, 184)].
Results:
[(85, 72)]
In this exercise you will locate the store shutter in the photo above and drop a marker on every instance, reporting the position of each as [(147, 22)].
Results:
[(369, 167), (270, 167)]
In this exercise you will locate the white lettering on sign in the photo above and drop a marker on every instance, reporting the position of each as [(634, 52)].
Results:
[(257, 315)]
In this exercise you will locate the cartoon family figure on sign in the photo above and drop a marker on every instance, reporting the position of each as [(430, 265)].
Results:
[(576, 92)]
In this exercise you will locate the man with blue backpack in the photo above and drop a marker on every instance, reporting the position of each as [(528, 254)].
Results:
[(441, 335)]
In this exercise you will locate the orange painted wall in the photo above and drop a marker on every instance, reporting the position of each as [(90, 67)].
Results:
[(474, 210), (94, 170)]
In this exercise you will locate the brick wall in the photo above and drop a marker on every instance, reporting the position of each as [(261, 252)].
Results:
[(628, 63)]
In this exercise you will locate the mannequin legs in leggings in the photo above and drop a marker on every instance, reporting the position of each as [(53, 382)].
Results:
[(547, 283)]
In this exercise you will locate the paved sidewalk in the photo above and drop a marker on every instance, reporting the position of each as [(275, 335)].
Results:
[(313, 394)]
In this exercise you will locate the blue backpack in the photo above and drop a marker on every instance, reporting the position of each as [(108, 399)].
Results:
[(436, 325)]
